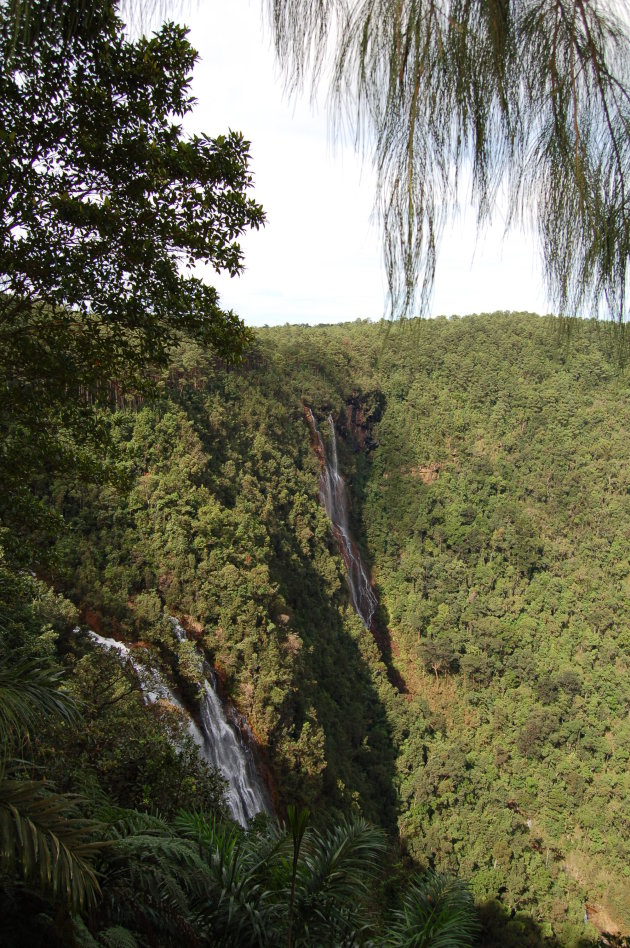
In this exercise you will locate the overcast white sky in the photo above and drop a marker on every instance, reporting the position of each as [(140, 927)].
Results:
[(319, 259)]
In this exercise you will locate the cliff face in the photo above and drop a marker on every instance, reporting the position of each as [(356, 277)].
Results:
[(362, 411)]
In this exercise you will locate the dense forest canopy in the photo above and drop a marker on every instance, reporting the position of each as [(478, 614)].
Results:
[(489, 483), (159, 484)]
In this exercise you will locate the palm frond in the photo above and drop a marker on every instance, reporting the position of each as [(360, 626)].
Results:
[(333, 880), (29, 688), (239, 906), (149, 845), (438, 911), (345, 857), (45, 841), (83, 937), (152, 878)]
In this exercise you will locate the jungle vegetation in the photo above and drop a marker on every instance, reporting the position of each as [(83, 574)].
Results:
[(155, 461), (488, 473)]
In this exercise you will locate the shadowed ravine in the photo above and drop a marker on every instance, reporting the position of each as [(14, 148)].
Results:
[(332, 493)]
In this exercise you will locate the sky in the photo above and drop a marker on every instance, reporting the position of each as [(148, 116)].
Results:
[(319, 258)]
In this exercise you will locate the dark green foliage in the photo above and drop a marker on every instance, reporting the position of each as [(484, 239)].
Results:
[(103, 198), (222, 527), (45, 840), (88, 732), (104, 206), (495, 512), (333, 883), (205, 882), (489, 494), (437, 912), (29, 689)]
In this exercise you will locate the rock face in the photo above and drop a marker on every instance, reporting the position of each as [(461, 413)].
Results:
[(356, 424), (332, 493)]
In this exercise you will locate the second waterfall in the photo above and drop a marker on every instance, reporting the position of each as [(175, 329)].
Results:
[(332, 491)]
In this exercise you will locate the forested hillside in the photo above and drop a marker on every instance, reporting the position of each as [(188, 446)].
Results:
[(496, 515), (201, 742), (485, 718)]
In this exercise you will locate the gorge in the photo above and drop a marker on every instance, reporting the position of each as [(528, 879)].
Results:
[(489, 479)]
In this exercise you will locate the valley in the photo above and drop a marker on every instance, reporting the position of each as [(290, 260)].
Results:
[(477, 706)]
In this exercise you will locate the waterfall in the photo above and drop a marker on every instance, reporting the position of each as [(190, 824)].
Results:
[(230, 753), (223, 743), (332, 491)]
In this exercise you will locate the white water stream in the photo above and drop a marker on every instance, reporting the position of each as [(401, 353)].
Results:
[(332, 491), (220, 741)]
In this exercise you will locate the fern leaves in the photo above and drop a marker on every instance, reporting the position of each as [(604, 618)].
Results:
[(45, 841)]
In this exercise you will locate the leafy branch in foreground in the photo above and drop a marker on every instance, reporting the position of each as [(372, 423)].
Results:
[(45, 841), (287, 886), (528, 100), (437, 912), (106, 204), (30, 688), (106, 207)]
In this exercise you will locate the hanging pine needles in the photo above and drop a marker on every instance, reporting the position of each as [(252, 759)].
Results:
[(531, 98)]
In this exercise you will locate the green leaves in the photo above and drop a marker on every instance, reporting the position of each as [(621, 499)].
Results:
[(45, 841), (438, 912), (105, 207), (118, 199), (333, 879), (293, 886), (29, 688), (525, 103)]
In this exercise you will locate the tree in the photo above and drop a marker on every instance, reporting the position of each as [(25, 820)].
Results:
[(437, 911), (105, 208), (532, 97), (293, 885), (105, 202)]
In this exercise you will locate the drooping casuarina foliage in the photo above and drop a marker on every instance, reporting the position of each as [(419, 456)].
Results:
[(526, 103)]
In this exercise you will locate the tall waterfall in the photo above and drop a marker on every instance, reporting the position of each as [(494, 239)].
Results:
[(332, 490), (220, 740)]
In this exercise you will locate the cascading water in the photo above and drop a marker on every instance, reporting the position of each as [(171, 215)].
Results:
[(332, 491), (152, 685), (230, 754), (220, 741)]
